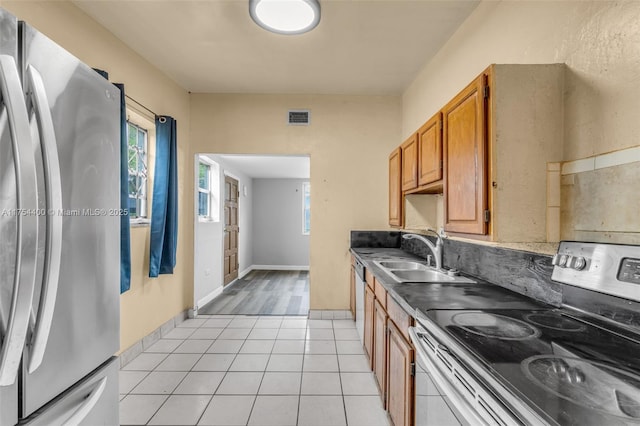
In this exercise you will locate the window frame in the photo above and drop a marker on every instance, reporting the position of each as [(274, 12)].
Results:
[(306, 189), (208, 217), (213, 192), (146, 127)]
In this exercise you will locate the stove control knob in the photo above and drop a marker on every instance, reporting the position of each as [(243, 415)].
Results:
[(579, 263), (555, 260), (562, 262)]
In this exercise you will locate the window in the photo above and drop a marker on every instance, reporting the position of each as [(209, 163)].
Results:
[(306, 208), (138, 171), (204, 190), (208, 189)]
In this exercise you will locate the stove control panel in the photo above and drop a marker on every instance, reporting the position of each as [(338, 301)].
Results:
[(567, 261), (607, 268), (630, 271)]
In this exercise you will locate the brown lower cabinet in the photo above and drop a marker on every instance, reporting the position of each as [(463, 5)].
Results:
[(400, 388), (380, 349), (369, 306), (390, 353)]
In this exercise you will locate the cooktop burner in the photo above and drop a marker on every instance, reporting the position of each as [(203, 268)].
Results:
[(555, 321), (589, 384), (571, 371), (495, 325)]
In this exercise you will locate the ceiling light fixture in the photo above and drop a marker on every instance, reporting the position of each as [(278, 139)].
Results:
[(285, 16)]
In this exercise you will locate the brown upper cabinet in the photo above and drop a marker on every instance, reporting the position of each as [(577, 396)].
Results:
[(498, 136), (395, 190), (465, 156), (410, 163), (430, 151)]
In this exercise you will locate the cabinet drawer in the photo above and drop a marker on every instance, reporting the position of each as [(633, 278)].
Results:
[(401, 319), (368, 277), (381, 294)]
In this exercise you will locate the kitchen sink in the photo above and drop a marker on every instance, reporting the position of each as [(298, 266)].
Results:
[(416, 272), (430, 275), (405, 265)]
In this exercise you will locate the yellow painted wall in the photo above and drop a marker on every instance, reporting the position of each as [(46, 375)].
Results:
[(600, 43), (150, 302), (351, 136), (349, 141)]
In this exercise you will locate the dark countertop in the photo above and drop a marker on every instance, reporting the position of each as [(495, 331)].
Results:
[(429, 296)]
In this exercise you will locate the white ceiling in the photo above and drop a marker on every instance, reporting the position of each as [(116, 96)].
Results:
[(269, 166), (359, 47)]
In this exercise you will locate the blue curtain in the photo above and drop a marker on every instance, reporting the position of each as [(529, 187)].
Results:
[(164, 210), (125, 236)]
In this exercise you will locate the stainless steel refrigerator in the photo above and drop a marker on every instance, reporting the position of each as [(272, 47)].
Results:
[(59, 234)]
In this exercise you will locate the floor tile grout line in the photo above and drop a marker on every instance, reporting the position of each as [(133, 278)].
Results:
[(306, 339), (158, 409), (304, 349), (260, 385), (189, 371), (171, 394)]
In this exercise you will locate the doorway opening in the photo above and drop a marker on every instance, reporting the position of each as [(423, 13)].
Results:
[(256, 260)]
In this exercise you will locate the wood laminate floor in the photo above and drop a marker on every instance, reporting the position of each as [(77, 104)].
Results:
[(263, 293)]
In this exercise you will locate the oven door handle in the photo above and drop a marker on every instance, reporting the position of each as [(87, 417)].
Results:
[(418, 344)]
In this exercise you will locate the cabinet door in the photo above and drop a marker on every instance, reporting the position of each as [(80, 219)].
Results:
[(369, 323), (430, 151), (352, 288), (410, 163), (465, 159), (395, 191), (380, 349), (400, 378)]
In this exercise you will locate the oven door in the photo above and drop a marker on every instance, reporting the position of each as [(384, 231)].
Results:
[(431, 406), (455, 391)]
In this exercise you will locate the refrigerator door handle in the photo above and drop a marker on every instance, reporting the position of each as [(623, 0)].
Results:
[(37, 99), (26, 219), (86, 405)]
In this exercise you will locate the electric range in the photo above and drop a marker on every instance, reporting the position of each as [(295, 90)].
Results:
[(538, 364)]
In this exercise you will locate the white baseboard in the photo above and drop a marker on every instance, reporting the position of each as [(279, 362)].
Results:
[(208, 298), (280, 267), (245, 272)]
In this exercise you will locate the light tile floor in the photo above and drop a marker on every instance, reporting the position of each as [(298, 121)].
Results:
[(228, 370)]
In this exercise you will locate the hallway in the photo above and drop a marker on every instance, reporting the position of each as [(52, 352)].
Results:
[(263, 293)]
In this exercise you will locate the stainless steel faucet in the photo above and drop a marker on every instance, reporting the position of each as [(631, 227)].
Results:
[(435, 249)]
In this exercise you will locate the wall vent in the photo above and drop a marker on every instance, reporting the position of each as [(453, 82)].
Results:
[(299, 117)]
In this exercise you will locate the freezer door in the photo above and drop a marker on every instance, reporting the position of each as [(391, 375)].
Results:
[(8, 394), (92, 402), (75, 312), (16, 289)]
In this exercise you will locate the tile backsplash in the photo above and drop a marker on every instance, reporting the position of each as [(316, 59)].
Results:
[(601, 203)]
